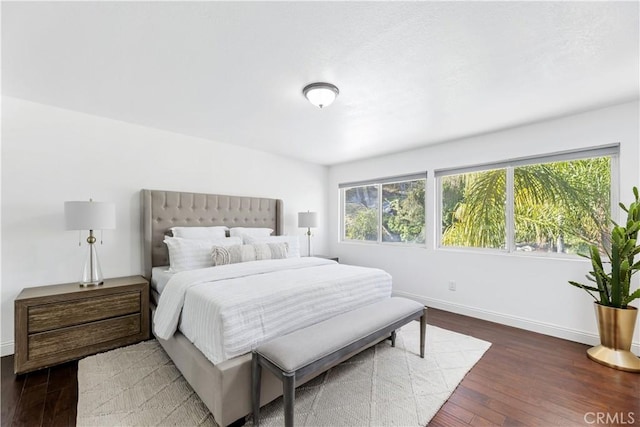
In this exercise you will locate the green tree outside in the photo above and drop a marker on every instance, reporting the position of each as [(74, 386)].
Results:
[(558, 207), (403, 212), (405, 220)]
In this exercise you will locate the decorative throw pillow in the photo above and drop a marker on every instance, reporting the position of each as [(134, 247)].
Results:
[(293, 242), (189, 254), (250, 231), (201, 233), (222, 255)]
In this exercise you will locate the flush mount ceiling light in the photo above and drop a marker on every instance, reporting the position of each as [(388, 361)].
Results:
[(320, 94)]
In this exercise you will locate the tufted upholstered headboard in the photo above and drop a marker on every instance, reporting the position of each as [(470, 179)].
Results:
[(162, 210)]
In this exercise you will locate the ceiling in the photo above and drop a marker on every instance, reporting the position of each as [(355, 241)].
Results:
[(410, 73)]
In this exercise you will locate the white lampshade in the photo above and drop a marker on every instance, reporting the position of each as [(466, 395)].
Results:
[(307, 219), (321, 94), (90, 215)]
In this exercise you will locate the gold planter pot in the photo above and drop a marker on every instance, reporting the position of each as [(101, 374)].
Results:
[(616, 333)]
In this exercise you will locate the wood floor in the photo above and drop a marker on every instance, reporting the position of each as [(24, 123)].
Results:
[(524, 379), (43, 398)]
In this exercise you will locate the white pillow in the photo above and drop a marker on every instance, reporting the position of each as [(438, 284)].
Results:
[(189, 254), (248, 231), (222, 255), (201, 233), (293, 243)]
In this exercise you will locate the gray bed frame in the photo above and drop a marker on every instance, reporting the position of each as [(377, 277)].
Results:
[(224, 387)]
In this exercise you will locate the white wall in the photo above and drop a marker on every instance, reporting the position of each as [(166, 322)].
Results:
[(516, 289), (50, 155)]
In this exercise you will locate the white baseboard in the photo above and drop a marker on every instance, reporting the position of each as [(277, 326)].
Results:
[(515, 321), (6, 348)]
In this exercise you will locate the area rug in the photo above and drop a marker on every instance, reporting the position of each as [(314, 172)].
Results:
[(382, 386)]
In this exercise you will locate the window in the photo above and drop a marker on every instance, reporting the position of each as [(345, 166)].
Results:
[(361, 213), (558, 203), (473, 210), (385, 210)]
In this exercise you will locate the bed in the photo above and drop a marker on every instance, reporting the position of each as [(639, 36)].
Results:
[(223, 382)]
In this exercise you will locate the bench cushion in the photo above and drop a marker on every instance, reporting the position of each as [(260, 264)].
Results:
[(305, 346)]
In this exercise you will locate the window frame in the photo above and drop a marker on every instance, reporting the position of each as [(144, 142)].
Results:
[(611, 150), (379, 183)]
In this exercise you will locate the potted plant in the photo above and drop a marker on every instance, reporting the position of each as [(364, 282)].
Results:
[(612, 293)]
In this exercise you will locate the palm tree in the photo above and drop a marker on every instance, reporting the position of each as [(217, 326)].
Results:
[(555, 205)]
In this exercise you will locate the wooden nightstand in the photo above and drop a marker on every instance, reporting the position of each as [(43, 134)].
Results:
[(59, 323)]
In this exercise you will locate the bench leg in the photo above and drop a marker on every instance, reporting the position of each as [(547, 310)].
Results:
[(423, 331), (256, 375), (393, 338), (289, 392)]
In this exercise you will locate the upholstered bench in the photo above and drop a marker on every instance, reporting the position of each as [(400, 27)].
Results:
[(314, 349)]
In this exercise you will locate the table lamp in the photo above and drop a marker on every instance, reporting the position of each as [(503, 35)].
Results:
[(308, 220), (90, 216)]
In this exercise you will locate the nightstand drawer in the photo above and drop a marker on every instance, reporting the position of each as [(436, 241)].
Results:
[(48, 317), (77, 337)]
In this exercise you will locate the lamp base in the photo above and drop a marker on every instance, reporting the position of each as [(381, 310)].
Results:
[(91, 271), (86, 285)]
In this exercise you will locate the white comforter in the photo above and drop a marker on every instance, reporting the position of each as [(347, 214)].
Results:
[(228, 310)]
